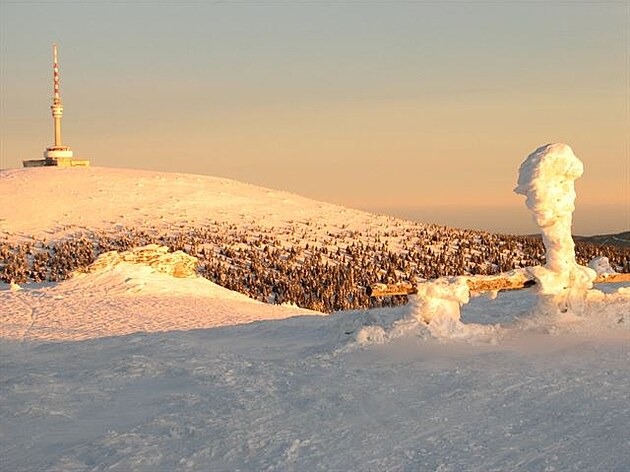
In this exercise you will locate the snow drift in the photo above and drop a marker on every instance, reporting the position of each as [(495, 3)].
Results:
[(143, 290)]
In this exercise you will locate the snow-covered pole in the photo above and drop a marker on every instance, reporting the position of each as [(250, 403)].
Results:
[(546, 178)]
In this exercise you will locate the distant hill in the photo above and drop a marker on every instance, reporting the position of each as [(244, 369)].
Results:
[(619, 239)]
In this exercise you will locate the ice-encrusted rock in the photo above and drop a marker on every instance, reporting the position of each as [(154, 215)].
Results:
[(177, 264)]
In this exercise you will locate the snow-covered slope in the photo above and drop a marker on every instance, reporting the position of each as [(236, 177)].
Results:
[(117, 297), (46, 202)]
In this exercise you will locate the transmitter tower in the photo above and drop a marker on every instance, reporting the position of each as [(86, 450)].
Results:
[(57, 155)]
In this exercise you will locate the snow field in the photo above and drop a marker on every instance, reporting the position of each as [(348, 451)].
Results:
[(302, 394)]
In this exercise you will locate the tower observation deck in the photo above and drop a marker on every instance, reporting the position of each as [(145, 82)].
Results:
[(57, 154)]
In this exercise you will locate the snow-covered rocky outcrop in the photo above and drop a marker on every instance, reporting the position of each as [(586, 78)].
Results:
[(177, 264)]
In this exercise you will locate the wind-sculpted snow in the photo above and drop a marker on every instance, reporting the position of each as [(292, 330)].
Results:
[(601, 266), (546, 178), (563, 287), (440, 311), (138, 291)]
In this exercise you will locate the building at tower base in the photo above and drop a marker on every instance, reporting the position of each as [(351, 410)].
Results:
[(58, 162), (57, 156)]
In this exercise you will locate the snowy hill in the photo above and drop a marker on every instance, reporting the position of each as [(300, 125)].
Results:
[(272, 246), (619, 239), (61, 200)]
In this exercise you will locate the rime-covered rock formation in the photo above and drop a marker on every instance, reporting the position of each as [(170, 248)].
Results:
[(177, 264), (546, 178)]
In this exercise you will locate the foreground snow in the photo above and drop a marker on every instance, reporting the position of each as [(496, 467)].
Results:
[(304, 394)]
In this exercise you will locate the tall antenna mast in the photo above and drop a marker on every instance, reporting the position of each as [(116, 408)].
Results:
[(56, 107)]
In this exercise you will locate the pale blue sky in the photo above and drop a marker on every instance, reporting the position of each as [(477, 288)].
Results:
[(423, 109)]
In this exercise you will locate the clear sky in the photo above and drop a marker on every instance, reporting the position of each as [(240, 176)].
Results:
[(418, 109)]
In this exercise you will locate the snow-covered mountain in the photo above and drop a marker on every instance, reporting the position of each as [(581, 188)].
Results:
[(131, 365), (272, 246)]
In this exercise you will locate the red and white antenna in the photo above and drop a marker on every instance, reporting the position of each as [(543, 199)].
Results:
[(56, 107), (56, 95)]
